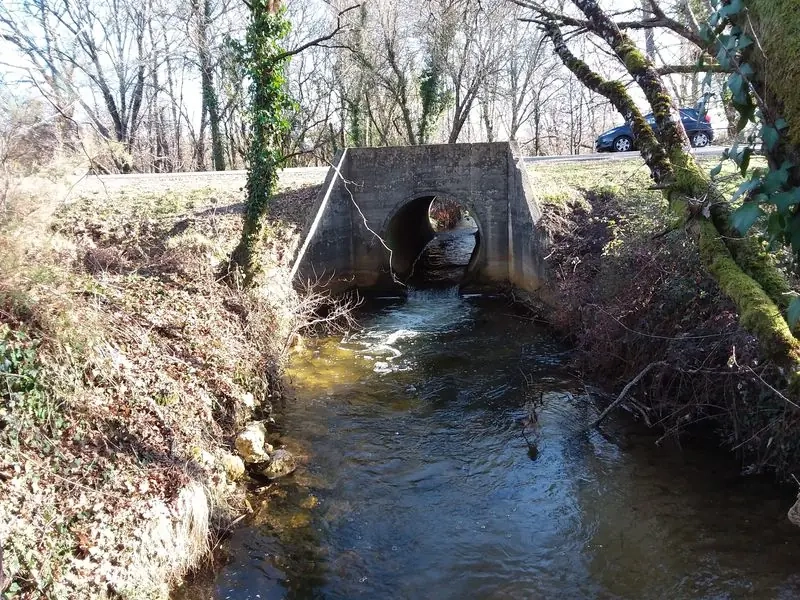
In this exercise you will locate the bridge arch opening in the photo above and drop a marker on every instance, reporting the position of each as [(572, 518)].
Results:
[(435, 241)]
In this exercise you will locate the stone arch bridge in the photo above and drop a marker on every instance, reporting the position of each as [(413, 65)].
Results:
[(377, 199)]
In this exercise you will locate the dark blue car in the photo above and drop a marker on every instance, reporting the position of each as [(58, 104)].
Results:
[(620, 139)]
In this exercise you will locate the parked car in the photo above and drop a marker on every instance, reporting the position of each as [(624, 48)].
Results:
[(620, 139)]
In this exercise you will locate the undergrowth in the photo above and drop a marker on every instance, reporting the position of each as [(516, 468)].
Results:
[(630, 290), (125, 368)]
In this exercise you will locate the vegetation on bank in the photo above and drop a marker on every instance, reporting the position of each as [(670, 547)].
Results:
[(125, 369), (630, 289)]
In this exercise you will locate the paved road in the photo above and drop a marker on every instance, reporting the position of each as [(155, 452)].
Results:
[(303, 176), (612, 156)]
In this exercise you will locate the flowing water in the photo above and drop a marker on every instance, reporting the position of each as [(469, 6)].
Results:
[(417, 482)]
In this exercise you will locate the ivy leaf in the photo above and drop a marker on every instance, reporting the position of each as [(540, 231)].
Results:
[(770, 136), (783, 200), (760, 198), (746, 70), (776, 178), (738, 87), (745, 42), (745, 188), (735, 153), (781, 124), (776, 224), (732, 9), (793, 312), (716, 170), (747, 113), (744, 216), (746, 154)]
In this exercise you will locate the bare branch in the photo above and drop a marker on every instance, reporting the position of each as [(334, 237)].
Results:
[(625, 391), (319, 40), (652, 151), (659, 20)]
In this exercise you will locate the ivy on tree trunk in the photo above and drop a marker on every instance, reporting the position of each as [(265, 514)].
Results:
[(265, 60)]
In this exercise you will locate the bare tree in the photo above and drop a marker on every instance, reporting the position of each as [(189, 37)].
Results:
[(202, 15), (94, 54)]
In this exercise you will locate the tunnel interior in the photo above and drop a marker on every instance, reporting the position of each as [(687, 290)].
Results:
[(434, 241)]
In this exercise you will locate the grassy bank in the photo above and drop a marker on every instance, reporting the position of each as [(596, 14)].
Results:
[(125, 369), (629, 289)]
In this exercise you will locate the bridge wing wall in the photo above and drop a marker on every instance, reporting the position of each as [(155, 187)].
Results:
[(527, 241), (324, 259)]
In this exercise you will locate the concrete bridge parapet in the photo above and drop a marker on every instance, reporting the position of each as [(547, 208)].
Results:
[(376, 199)]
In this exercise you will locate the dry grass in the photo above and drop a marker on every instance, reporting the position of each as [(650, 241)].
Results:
[(125, 367)]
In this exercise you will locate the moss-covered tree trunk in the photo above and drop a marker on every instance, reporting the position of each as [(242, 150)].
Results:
[(741, 269), (776, 26)]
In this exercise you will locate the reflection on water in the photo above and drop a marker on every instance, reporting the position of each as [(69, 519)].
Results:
[(443, 263), (417, 482)]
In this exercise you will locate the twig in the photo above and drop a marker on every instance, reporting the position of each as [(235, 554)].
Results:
[(642, 412), (319, 40), (625, 391), (228, 528), (657, 337), (764, 381)]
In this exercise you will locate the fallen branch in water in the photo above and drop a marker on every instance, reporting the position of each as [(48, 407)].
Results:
[(625, 391)]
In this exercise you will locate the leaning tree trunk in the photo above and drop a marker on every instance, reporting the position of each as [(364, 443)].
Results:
[(741, 270)]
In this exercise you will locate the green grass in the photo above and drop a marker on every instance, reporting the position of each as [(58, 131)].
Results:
[(563, 184)]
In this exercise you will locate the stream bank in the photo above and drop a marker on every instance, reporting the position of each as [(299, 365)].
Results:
[(627, 289), (126, 368)]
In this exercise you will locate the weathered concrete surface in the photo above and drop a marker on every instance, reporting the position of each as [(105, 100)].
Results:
[(375, 194)]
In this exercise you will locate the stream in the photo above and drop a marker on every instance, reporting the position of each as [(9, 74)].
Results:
[(416, 480)]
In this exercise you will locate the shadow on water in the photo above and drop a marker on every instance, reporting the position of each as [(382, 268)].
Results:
[(416, 480)]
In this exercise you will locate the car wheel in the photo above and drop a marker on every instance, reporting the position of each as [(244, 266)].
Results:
[(700, 139), (623, 144)]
